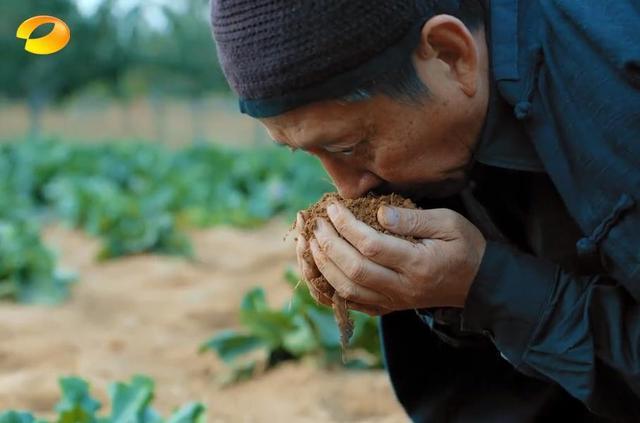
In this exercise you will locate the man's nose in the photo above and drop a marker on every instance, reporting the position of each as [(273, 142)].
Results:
[(350, 181)]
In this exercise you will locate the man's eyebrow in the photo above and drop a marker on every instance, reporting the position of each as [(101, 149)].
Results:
[(320, 140), (323, 140)]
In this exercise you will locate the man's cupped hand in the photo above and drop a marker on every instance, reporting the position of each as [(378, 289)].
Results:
[(378, 273)]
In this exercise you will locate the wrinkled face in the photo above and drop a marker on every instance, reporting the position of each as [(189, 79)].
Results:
[(384, 146)]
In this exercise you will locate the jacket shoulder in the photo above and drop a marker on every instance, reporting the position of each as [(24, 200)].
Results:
[(609, 28), (583, 95)]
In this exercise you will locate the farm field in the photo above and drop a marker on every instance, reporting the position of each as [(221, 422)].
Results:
[(144, 277), (148, 314)]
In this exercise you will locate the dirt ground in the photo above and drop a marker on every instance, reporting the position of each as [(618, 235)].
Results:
[(148, 315)]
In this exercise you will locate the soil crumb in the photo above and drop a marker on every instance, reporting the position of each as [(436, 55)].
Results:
[(364, 209)]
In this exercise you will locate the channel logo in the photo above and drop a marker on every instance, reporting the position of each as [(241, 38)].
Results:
[(51, 43)]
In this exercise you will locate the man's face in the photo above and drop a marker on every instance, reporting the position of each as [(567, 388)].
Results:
[(385, 146)]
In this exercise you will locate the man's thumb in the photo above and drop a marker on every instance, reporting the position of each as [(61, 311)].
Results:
[(411, 222)]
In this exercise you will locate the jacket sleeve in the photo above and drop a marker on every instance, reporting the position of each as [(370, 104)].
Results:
[(581, 332)]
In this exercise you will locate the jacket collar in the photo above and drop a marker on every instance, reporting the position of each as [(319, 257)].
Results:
[(503, 33), (503, 141)]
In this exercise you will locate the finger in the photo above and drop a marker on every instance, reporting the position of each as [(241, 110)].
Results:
[(352, 263), (299, 223), (386, 250), (308, 269), (440, 224), (347, 289)]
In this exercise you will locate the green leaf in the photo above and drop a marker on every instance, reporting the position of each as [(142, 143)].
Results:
[(27, 268), (239, 371), (137, 198), (291, 277), (301, 339), (301, 328), (254, 301), (325, 326), (301, 295), (16, 417), (269, 325), (8, 288), (75, 415), (359, 364), (130, 402), (190, 413), (76, 404), (230, 345)]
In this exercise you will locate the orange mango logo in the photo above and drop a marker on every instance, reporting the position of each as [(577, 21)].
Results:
[(51, 43)]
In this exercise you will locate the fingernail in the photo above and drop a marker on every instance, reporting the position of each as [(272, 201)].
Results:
[(332, 210), (391, 217)]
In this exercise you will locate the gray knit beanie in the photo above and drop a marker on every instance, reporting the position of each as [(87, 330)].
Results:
[(280, 54)]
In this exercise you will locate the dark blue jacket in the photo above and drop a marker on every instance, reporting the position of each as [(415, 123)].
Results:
[(555, 307)]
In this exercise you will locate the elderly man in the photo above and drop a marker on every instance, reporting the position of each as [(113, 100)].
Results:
[(515, 125)]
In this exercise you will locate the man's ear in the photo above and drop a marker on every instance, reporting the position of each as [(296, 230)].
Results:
[(447, 39)]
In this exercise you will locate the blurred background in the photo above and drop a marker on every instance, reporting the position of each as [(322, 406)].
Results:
[(143, 270), (143, 69)]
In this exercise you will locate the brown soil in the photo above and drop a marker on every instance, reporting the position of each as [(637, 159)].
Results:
[(149, 314), (364, 209)]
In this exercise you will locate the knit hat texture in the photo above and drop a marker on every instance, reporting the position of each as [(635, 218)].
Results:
[(280, 54)]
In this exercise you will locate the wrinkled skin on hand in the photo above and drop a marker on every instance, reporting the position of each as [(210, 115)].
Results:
[(378, 273)]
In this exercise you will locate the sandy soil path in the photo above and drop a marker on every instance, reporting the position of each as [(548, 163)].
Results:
[(148, 314)]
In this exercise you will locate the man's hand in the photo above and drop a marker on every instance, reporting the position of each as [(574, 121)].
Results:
[(307, 268), (379, 273), (309, 272)]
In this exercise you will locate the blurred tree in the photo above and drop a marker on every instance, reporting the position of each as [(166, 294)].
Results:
[(185, 55), (96, 51), (119, 51), (189, 53)]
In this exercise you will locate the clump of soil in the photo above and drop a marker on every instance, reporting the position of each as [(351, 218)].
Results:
[(364, 209)]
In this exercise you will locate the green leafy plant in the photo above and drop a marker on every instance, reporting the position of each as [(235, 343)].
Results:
[(138, 198), (300, 328), (130, 403), (28, 271)]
